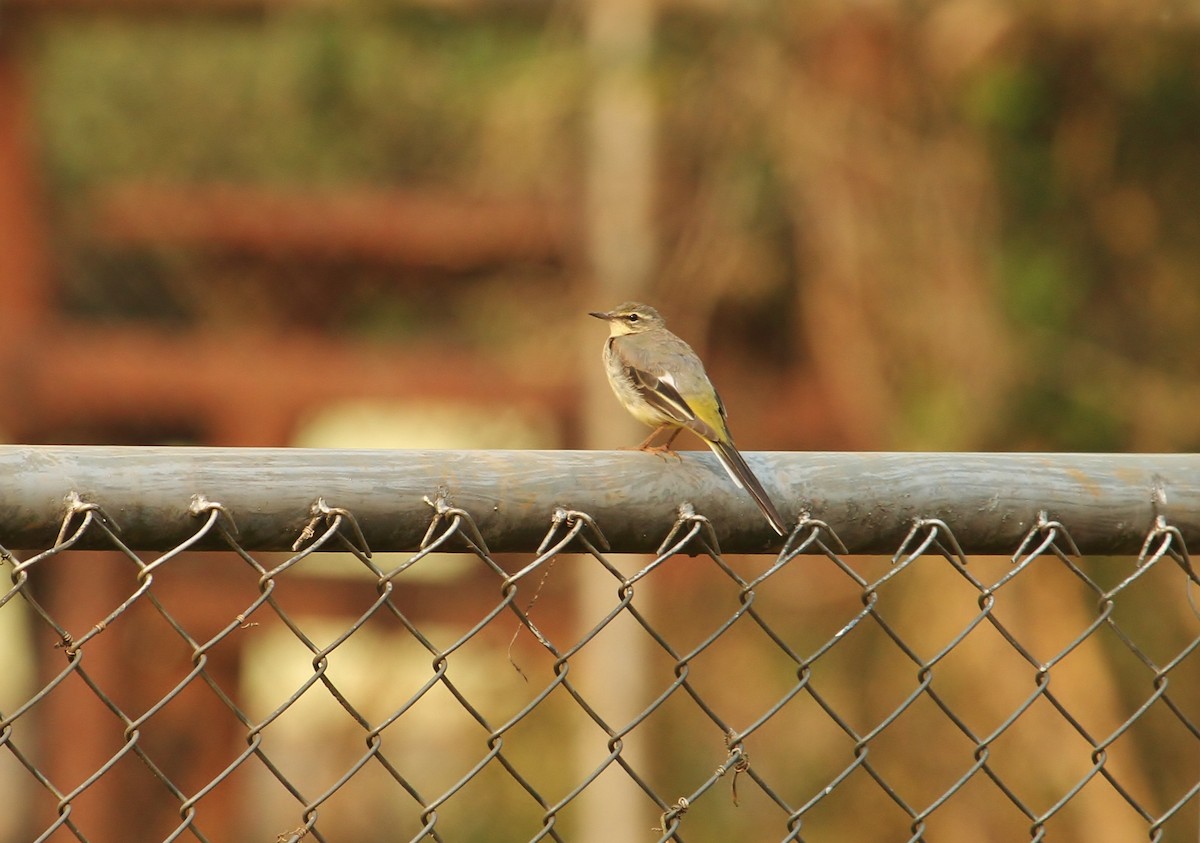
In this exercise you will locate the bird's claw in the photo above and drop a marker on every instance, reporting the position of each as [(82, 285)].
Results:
[(663, 451)]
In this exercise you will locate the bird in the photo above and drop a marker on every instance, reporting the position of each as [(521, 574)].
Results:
[(662, 383)]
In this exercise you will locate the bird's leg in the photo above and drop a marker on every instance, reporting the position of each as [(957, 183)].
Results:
[(665, 448), (645, 446)]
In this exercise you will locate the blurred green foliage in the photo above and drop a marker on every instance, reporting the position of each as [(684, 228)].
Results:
[(318, 99), (1035, 193)]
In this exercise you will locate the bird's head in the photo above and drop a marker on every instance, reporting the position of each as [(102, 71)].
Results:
[(630, 318)]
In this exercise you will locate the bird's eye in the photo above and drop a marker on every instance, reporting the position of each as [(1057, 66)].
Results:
[(633, 317)]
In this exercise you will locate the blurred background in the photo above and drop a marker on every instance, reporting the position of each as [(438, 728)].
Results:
[(964, 225), (886, 225)]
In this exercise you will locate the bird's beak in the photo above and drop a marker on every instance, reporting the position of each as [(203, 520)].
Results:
[(599, 314)]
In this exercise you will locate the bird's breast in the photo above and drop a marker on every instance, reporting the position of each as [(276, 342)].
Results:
[(629, 393)]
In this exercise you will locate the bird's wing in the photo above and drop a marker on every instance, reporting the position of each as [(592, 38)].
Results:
[(671, 379)]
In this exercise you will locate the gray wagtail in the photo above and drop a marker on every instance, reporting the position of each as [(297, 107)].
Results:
[(662, 383)]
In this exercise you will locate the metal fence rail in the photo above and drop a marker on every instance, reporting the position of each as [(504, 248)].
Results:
[(274, 645)]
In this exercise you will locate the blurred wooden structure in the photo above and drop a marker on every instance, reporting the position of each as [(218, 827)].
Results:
[(246, 389)]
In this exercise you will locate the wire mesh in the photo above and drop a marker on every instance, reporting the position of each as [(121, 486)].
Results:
[(459, 694)]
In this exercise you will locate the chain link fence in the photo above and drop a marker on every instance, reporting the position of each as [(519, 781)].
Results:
[(171, 673)]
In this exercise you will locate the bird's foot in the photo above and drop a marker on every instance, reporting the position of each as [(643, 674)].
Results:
[(663, 451)]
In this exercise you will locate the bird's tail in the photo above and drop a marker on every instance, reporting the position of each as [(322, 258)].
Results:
[(744, 478)]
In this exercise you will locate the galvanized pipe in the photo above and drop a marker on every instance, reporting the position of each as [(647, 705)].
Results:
[(1108, 502)]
